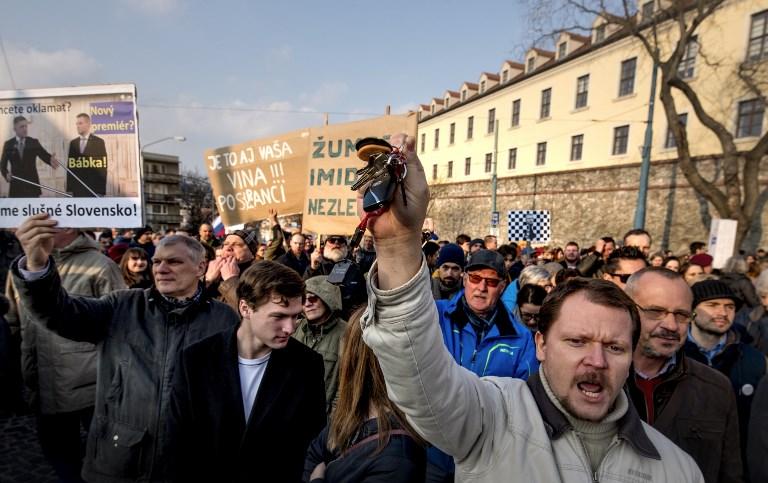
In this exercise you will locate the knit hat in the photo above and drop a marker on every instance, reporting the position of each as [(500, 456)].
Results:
[(701, 259), (328, 292), (250, 238), (477, 241), (451, 253), (117, 251), (712, 289), (487, 259), (140, 231)]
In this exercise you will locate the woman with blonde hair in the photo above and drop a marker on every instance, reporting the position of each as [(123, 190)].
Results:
[(367, 438)]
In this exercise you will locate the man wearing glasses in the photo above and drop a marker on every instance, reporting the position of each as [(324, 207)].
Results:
[(622, 263), (690, 403), (334, 253), (482, 336)]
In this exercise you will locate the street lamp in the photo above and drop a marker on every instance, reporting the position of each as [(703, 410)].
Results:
[(180, 139)]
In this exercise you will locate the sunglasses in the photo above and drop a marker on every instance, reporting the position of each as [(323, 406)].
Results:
[(337, 240), (622, 276), (491, 282)]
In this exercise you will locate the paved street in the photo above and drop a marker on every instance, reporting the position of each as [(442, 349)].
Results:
[(20, 455)]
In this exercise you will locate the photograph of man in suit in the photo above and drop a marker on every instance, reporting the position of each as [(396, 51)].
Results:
[(87, 161), (21, 153), (247, 401)]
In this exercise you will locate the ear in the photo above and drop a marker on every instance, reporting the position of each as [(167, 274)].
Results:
[(243, 308), (201, 268), (607, 276), (540, 346)]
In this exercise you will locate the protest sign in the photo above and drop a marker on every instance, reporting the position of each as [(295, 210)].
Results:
[(330, 206), (73, 153), (250, 178)]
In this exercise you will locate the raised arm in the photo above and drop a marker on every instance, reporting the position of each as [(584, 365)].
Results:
[(40, 292), (442, 401)]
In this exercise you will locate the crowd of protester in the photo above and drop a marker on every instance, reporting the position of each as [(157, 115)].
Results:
[(185, 356)]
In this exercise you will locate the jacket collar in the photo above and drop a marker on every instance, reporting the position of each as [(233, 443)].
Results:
[(556, 424), (502, 321)]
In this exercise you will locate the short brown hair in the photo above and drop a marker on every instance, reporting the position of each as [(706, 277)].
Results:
[(266, 281), (600, 292)]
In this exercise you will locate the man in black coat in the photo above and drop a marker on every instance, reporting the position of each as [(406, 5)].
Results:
[(139, 335), (248, 401), (295, 258), (87, 161), (21, 152)]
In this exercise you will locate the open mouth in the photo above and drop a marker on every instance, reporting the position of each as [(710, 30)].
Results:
[(590, 389)]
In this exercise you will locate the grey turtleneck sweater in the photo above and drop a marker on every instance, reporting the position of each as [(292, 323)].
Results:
[(595, 436)]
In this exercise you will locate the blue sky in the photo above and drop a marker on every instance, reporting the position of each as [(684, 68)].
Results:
[(241, 56)]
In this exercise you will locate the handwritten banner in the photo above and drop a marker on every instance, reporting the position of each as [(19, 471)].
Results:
[(251, 177), (330, 206)]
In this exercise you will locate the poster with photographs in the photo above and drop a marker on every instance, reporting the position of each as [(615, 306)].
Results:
[(72, 153)]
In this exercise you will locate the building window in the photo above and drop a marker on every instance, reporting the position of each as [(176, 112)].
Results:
[(488, 162), (531, 64), (546, 101), (687, 66), (482, 86), (541, 154), (447, 102), (516, 112), (670, 141), (463, 95), (582, 91), (450, 169), (467, 166), (600, 33), (620, 140), (512, 159), (470, 127), (627, 82), (437, 138), (750, 120), (647, 10), (758, 37), (452, 133), (432, 109), (434, 172), (504, 75), (491, 120), (423, 141), (562, 49), (577, 143), (419, 116)]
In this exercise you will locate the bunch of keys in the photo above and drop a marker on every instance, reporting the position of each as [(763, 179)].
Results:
[(386, 170)]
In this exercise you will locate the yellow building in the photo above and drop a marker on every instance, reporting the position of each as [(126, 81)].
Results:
[(584, 108)]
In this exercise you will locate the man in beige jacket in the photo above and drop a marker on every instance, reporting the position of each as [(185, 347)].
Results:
[(570, 422)]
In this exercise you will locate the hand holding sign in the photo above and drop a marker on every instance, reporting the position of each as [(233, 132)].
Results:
[(36, 238), (273, 217), (55, 161)]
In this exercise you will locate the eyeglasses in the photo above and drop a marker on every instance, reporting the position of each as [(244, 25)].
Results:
[(312, 298), (527, 317), (337, 240), (657, 313), (491, 282), (622, 276)]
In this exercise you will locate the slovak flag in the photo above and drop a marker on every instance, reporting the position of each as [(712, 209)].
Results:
[(219, 230)]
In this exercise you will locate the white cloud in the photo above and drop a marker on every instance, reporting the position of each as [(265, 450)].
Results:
[(32, 67), (153, 7)]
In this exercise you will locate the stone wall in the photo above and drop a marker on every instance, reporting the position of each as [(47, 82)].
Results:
[(587, 204)]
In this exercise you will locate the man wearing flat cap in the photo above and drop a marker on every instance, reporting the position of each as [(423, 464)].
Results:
[(481, 334), (712, 340)]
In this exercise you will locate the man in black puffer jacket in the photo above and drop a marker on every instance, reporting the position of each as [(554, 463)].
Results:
[(139, 334)]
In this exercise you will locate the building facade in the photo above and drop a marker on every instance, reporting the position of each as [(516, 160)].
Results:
[(161, 191), (563, 131)]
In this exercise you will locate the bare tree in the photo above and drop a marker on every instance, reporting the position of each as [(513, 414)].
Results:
[(666, 34), (196, 197)]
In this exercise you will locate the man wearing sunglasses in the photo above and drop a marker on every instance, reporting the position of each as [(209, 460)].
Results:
[(622, 263), (690, 403), (482, 335), (333, 253)]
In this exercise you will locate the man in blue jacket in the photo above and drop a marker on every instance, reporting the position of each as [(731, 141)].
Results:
[(482, 335)]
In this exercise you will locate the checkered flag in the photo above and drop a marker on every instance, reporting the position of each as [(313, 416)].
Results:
[(530, 225)]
